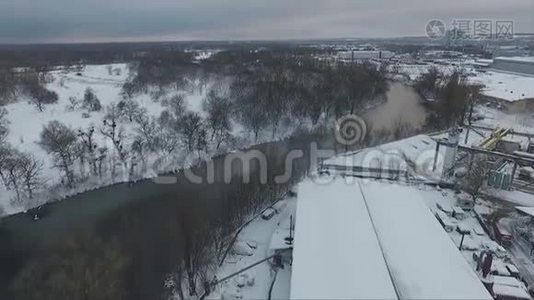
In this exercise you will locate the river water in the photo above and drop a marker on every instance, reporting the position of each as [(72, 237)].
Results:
[(104, 210), (403, 106)]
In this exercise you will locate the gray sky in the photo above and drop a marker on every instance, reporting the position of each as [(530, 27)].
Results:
[(28, 21)]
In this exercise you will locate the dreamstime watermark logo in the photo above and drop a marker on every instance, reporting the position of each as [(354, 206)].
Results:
[(350, 129)]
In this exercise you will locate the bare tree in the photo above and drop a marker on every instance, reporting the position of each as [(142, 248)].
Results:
[(147, 128), (12, 173), (113, 113), (454, 94), (116, 134), (8, 85), (4, 123), (129, 108), (476, 177), (221, 234), (6, 152), (190, 127), (91, 101), (31, 171), (429, 82), (139, 148), (20, 172), (40, 96), (201, 141), (168, 140), (88, 141), (177, 105), (175, 109), (197, 254), (100, 158), (218, 120), (59, 140)]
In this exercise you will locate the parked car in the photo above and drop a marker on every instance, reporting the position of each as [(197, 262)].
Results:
[(503, 236), (268, 213)]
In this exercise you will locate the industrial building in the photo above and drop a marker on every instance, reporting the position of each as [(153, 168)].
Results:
[(363, 55), (374, 240), (516, 64)]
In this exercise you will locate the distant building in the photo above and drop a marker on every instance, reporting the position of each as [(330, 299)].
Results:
[(506, 90), (511, 50), (482, 64), (349, 56), (441, 54), (517, 64)]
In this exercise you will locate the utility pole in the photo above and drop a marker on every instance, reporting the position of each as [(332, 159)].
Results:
[(436, 156), (462, 241), (469, 120), (289, 239)]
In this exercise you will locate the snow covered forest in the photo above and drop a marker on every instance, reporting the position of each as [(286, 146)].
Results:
[(70, 128)]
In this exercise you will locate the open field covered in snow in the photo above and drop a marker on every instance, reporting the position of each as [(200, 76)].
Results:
[(26, 122)]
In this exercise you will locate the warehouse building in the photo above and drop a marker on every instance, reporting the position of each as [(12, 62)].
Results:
[(516, 64)]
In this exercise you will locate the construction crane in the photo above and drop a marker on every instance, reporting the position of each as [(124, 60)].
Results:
[(490, 142)]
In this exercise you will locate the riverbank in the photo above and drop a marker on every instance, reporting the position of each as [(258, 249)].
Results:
[(138, 215)]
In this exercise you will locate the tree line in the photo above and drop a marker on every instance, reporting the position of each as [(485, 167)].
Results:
[(452, 94), (265, 92)]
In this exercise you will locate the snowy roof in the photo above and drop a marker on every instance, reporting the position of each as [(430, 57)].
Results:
[(336, 254), (371, 239), (395, 156), (527, 210), (424, 261), (507, 280), (510, 291), (516, 58), (515, 197), (506, 86)]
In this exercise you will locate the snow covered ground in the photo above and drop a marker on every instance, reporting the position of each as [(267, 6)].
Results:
[(507, 86), (514, 197), (26, 122), (497, 84), (259, 233)]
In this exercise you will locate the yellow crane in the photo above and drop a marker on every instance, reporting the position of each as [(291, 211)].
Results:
[(490, 142)]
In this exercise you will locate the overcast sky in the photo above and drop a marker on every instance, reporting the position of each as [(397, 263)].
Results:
[(28, 21)]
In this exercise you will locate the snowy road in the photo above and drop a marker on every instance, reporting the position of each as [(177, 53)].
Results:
[(259, 231), (521, 255), (523, 263)]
